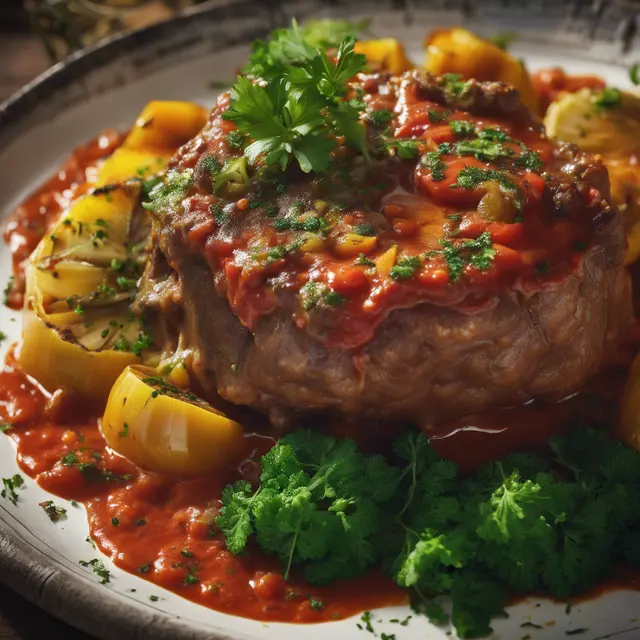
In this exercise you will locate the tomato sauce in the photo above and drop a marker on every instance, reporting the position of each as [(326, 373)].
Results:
[(163, 528), (403, 205)]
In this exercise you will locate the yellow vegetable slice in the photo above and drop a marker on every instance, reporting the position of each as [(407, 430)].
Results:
[(160, 427), (58, 363), (78, 329), (460, 51), (614, 133), (166, 124), (386, 54), (629, 427)]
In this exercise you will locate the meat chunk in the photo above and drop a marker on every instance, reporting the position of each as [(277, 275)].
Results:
[(485, 305)]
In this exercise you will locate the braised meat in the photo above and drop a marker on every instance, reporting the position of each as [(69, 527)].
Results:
[(468, 264)]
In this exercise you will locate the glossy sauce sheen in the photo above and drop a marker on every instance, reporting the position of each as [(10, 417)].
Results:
[(401, 200)]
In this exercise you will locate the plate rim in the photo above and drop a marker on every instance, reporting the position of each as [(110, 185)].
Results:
[(24, 567)]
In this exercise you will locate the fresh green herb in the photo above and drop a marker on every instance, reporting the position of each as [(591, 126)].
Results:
[(5, 427), (634, 74), (483, 149), (364, 229), (125, 431), (10, 485), (454, 85), (115, 522), (608, 98), (364, 261), (190, 578), (530, 160), (234, 172), (145, 568), (431, 160), (167, 194), (504, 39), (54, 513), (437, 116), (328, 34), (98, 569), (472, 177), (405, 268), (461, 127), (380, 117), (494, 135), (366, 619), (7, 291), (236, 140), (301, 104), (319, 504), (333, 298), (186, 553), (154, 598), (478, 253), (318, 605), (143, 341)]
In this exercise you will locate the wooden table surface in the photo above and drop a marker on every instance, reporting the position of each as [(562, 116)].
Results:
[(23, 59)]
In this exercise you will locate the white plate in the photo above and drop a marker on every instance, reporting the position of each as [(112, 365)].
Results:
[(107, 88)]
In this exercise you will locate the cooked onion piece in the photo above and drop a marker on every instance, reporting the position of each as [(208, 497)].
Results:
[(48, 353), (161, 427), (79, 331), (460, 51), (607, 123)]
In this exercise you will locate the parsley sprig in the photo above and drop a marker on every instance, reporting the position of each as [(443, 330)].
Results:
[(298, 112)]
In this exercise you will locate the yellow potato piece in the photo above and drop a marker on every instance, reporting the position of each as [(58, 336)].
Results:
[(126, 163), (386, 54), (629, 427), (160, 427), (62, 348), (353, 244), (166, 125), (460, 51), (57, 363), (387, 260), (614, 133)]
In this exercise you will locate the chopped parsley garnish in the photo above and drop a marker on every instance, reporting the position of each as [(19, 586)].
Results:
[(405, 268), (495, 135), (54, 513), (380, 117), (608, 98), (145, 568), (143, 341), (472, 177), (167, 194), (318, 605), (235, 139), (634, 74), (7, 290), (98, 569), (530, 160), (461, 127), (190, 578), (478, 253), (437, 116), (454, 85), (431, 160), (9, 488), (115, 522), (125, 431), (313, 294), (364, 229), (5, 427), (362, 260), (483, 149), (186, 553)]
